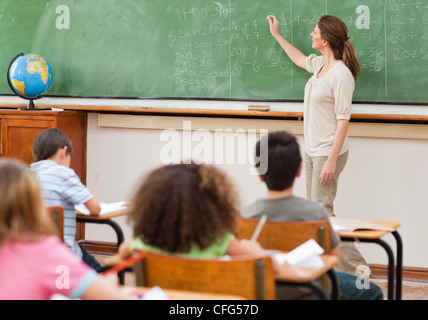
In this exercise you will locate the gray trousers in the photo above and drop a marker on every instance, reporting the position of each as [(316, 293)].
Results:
[(350, 256)]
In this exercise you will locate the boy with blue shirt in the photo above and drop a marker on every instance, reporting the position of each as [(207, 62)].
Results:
[(61, 186)]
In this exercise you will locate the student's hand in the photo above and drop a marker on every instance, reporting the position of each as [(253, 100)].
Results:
[(93, 206), (243, 246), (124, 251), (251, 246), (273, 24), (113, 260), (275, 264), (327, 172)]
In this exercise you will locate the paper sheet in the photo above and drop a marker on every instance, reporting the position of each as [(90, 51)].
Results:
[(346, 224), (155, 293), (306, 255), (105, 207)]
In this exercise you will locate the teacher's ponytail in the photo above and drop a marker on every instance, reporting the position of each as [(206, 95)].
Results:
[(349, 58)]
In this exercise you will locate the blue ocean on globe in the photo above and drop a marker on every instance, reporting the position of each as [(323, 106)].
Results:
[(30, 76)]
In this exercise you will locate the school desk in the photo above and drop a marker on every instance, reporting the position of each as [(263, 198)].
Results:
[(108, 220), (374, 236), (299, 276), (105, 219)]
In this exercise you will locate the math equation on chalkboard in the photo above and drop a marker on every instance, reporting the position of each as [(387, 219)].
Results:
[(213, 49)]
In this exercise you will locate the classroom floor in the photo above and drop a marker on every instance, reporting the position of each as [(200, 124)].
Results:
[(412, 290)]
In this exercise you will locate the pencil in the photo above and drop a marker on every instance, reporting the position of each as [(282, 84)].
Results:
[(95, 182), (259, 228)]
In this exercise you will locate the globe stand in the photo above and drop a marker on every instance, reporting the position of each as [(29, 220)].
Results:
[(31, 105)]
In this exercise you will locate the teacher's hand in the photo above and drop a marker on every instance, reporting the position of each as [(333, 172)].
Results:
[(327, 172), (273, 24)]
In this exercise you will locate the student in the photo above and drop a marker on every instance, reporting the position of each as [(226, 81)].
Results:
[(189, 210), (61, 186), (34, 263), (327, 110), (280, 204)]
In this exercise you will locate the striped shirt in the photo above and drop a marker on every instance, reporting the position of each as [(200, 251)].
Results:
[(62, 187)]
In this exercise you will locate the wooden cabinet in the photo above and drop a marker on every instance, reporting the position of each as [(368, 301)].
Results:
[(19, 127)]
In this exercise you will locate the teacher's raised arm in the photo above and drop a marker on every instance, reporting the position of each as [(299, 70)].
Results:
[(293, 53)]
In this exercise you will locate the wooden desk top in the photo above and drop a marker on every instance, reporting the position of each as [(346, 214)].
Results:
[(291, 274), (188, 295), (370, 234), (106, 216)]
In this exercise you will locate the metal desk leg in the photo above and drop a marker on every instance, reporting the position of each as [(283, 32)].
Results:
[(335, 288), (113, 224), (117, 229), (399, 266), (119, 234), (391, 268)]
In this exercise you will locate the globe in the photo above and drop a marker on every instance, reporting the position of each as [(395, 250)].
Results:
[(29, 76)]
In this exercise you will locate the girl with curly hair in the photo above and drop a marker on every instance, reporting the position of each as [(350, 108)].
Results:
[(189, 210)]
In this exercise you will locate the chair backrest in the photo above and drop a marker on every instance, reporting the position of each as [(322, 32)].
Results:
[(286, 235), (57, 215), (248, 277)]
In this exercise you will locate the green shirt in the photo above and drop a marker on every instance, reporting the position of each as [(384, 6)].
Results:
[(215, 250)]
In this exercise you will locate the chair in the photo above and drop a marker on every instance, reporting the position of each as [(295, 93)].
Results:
[(248, 277), (57, 216), (287, 235)]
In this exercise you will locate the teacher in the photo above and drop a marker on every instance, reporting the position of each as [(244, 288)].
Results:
[(327, 109)]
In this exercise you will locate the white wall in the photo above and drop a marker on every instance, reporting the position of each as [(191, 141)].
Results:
[(385, 178)]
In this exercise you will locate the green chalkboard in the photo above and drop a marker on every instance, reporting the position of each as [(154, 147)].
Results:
[(212, 49)]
